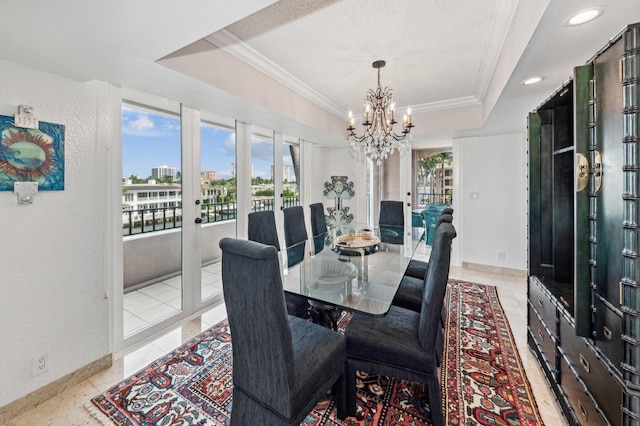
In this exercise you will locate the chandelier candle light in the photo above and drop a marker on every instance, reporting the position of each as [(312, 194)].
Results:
[(379, 140)]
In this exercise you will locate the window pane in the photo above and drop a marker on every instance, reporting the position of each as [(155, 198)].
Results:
[(262, 156), (218, 193), (151, 220), (290, 174)]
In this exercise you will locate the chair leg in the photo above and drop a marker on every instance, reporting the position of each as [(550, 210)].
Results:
[(435, 402), (340, 391), (351, 389)]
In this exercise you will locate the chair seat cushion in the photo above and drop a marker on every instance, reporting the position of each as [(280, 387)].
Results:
[(315, 369), (391, 340), (417, 269), (409, 294)]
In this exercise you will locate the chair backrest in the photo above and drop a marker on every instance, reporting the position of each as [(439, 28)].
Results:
[(262, 228), (447, 210), (318, 226), (295, 232), (435, 286), (391, 213), (257, 313), (444, 218)]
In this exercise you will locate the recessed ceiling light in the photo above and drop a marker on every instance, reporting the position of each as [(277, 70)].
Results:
[(583, 17), (532, 80)]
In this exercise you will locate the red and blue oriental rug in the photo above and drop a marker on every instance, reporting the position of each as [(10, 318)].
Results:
[(482, 378)]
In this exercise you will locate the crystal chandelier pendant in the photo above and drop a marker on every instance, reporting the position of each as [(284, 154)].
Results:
[(379, 140)]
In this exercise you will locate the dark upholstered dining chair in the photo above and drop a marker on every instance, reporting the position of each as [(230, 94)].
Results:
[(447, 210), (391, 216), (391, 213), (262, 229), (402, 343), (318, 226), (295, 233), (411, 290), (282, 365), (417, 268)]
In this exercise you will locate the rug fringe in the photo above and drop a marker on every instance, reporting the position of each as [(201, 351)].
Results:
[(97, 414)]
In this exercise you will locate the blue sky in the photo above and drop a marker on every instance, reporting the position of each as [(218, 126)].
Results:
[(153, 139)]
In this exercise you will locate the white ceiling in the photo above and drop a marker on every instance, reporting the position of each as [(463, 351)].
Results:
[(458, 63), (437, 52)]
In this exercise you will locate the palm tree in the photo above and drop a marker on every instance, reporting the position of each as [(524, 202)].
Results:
[(295, 158), (427, 167)]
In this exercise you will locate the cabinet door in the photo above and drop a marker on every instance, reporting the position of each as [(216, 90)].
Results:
[(540, 188), (609, 206), (583, 95)]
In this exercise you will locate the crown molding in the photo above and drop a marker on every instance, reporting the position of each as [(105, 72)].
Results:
[(241, 50), (463, 102), (500, 22)]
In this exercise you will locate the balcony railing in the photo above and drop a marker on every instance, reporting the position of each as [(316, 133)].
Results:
[(444, 197), (151, 220)]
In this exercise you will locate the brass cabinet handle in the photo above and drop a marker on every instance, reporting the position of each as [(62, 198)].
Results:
[(606, 332), (540, 303), (597, 170), (582, 172), (541, 335), (583, 411), (621, 292), (564, 302), (584, 363)]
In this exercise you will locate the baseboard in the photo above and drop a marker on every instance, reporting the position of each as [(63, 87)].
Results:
[(46, 392), (520, 273)]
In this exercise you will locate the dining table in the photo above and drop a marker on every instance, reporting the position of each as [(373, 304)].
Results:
[(358, 267)]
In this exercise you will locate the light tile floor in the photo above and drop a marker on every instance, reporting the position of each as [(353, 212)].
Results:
[(153, 303), (67, 408)]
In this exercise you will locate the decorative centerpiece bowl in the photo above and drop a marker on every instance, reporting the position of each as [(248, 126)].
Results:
[(328, 277)]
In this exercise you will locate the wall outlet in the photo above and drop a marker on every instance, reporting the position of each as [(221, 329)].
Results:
[(501, 256), (41, 364)]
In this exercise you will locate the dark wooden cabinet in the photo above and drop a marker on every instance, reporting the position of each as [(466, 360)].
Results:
[(584, 237)]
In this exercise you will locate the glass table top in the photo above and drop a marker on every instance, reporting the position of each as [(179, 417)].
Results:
[(356, 267)]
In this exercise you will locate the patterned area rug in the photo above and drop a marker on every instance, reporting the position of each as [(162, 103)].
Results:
[(482, 376)]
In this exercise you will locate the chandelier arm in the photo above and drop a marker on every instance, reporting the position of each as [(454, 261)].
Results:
[(379, 140)]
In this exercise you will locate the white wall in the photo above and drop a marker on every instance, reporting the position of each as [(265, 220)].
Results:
[(339, 162), (495, 167), (492, 168), (54, 254)]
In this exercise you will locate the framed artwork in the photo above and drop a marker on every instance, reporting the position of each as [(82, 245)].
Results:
[(31, 155)]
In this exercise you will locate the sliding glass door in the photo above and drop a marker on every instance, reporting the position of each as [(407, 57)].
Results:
[(180, 197), (178, 201), (218, 191), (151, 215)]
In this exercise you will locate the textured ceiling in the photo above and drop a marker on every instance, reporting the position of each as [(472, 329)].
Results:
[(437, 52)]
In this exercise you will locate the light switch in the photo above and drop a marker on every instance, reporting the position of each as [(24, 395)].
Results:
[(474, 195)]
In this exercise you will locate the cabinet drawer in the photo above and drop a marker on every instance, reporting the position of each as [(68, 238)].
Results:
[(608, 328), (543, 304), (604, 388), (543, 339), (582, 404)]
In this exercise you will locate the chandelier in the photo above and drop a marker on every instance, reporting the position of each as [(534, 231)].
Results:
[(379, 139)]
